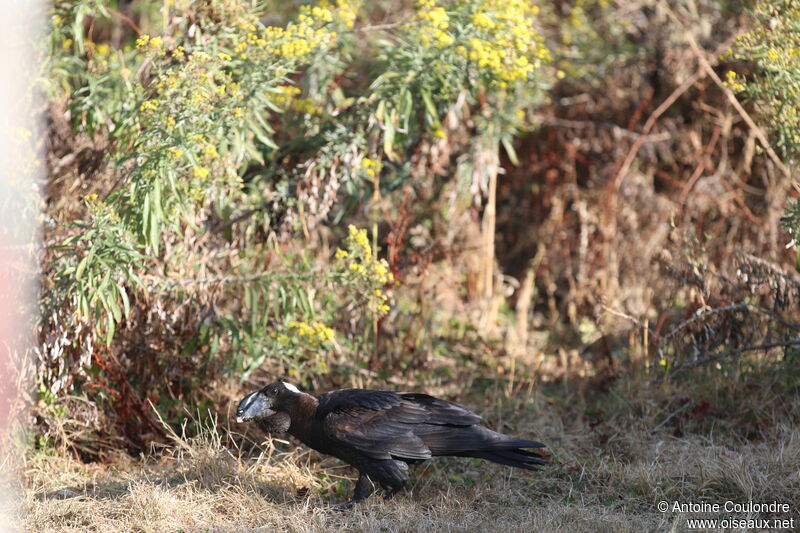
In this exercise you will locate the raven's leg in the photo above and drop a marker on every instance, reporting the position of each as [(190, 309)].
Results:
[(363, 488), (398, 479), (362, 492)]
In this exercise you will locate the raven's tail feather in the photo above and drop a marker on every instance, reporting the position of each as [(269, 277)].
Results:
[(515, 457)]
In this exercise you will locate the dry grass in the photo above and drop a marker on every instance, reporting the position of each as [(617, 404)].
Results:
[(609, 470)]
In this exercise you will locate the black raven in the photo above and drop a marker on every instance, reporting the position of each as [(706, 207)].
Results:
[(380, 432)]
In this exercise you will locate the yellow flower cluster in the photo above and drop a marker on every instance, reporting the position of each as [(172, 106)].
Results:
[(497, 37), (300, 41), (506, 47), (284, 94), (369, 272), (200, 172), (314, 333), (343, 12), (285, 97), (152, 44), (210, 151), (370, 166), (732, 82), (99, 208), (148, 105), (306, 105), (435, 21)]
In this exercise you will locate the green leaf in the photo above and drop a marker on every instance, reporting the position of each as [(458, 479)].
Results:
[(85, 262), (512, 154), (146, 216), (112, 303), (83, 304), (388, 136), (430, 107), (110, 327), (126, 304), (154, 232)]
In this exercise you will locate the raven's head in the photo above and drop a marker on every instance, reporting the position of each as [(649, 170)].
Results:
[(267, 402)]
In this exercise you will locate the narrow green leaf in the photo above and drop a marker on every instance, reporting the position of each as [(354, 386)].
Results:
[(85, 262), (110, 327), (126, 304), (388, 136), (430, 108), (512, 154), (112, 302)]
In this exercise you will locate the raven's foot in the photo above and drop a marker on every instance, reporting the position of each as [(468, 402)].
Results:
[(363, 490), (342, 507)]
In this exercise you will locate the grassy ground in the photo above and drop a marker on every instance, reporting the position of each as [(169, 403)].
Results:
[(616, 453)]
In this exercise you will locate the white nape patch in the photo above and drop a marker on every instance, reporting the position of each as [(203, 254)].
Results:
[(291, 387)]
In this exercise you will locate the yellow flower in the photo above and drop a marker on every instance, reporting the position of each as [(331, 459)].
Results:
[(772, 54), (313, 333), (370, 166), (211, 151), (483, 20), (148, 105), (175, 152), (732, 82), (200, 172), (442, 38), (341, 254)]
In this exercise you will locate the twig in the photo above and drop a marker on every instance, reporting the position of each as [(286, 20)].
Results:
[(239, 218), (701, 167), (736, 351), (127, 19), (679, 410), (583, 124), (633, 319), (683, 325)]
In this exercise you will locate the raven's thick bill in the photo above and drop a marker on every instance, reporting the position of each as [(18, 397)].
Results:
[(381, 432)]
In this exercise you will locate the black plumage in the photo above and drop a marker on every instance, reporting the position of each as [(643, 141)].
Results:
[(381, 432)]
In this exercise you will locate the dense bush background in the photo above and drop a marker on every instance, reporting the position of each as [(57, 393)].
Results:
[(410, 195)]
